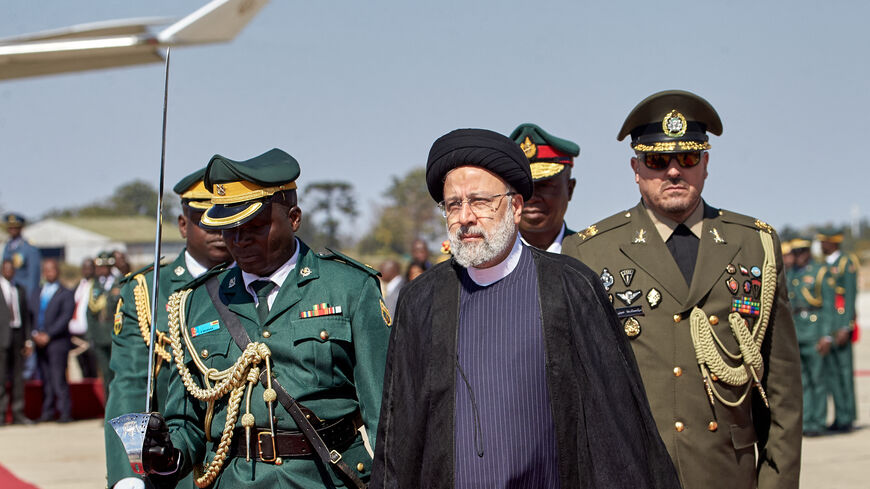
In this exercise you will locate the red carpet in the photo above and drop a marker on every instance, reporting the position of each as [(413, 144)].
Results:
[(9, 481)]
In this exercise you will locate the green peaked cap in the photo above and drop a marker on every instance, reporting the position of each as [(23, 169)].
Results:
[(548, 154), (188, 181), (243, 188)]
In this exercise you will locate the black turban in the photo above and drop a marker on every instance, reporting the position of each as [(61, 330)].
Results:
[(478, 147)]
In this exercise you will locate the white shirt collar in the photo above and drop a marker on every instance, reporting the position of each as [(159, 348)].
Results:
[(556, 245), (833, 257), (491, 275), (192, 265), (278, 276)]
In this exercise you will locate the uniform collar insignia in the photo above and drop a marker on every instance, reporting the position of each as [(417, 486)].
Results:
[(179, 270), (639, 237), (232, 282), (717, 238), (305, 272)]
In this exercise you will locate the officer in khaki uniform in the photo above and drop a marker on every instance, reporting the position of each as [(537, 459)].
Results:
[(839, 367), (132, 325), (285, 325), (551, 159), (810, 296), (702, 297)]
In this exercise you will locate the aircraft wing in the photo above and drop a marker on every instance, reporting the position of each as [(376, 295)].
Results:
[(120, 43)]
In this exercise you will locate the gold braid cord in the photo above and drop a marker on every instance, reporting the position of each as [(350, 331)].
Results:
[(245, 371), (709, 349), (143, 314)]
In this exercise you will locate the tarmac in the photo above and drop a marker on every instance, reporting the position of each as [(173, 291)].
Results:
[(71, 456)]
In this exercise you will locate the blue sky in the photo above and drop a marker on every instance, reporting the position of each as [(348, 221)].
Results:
[(358, 91)]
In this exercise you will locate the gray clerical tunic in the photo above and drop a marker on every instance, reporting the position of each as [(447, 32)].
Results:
[(503, 421)]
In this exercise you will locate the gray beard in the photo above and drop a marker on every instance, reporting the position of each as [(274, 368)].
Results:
[(476, 254)]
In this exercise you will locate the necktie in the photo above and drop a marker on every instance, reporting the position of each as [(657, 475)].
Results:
[(684, 248), (262, 289)]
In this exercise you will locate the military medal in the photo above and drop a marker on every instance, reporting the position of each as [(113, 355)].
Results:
[(743, 270), (632, 327), (732, 285), (756, 287), (747, 286), (179, 270), (755, 271), (745, 306), (731, 269), (606, 279), (654, 298), (322, 309), (627, 274), (628, 296)]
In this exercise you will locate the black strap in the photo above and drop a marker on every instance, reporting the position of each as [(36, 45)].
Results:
[(240, 336)]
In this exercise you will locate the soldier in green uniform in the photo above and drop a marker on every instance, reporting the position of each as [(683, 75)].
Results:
[(810, 296), (285, 325), (839, 370), (702, 297), (543, 223), (132, 327), (102, 302)]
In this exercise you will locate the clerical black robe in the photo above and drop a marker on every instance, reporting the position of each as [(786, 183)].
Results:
[(605, 434)]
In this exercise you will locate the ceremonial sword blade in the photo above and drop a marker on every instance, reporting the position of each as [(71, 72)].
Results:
[(157, 242)]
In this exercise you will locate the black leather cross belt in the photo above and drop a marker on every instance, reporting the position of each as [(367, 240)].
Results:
[(338, 435)]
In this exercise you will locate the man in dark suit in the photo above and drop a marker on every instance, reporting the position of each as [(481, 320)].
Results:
[(15, 344), (53, 306)]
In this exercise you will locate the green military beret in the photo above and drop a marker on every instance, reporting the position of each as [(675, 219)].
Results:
[(548, 154), (242, 188), (831, 234), (192, 190), (12, 220), (105, 258), (673, 121)]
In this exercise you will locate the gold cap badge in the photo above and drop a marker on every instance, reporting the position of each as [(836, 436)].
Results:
[(674, 124), (219, 189), (529, 148)]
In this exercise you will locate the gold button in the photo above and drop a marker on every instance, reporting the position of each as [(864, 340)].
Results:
[(813, 318), (678, 371), (679, 426), (266, 334), (714, 320), (713, 426), (714, 377), (360, 467), (324, 335), (279, 461), (204, 353), (677, 318)]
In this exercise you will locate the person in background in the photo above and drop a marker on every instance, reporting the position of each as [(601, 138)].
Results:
[(53, 306), (552, 158), (15, 343), (78, 325), (24, 256), (102, 302), (420, 253), (391, 283)]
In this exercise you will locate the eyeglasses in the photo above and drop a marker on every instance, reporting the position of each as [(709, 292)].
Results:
[(480, 206), (660, 161)]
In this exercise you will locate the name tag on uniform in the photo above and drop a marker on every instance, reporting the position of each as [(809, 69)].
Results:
[(205, 328), (627, 312)]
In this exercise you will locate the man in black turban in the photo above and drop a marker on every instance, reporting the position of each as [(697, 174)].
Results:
[(507, 366)]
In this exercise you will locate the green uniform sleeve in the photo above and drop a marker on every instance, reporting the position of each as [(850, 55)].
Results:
[(371, 335), (129, 362)]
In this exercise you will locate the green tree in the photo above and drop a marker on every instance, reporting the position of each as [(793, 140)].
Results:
[(325, 202), (409, 213), (136, 198)]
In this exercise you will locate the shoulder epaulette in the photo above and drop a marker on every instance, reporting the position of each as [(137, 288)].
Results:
[(341, 257), (743, 220), (141, 271), (604, 225), (202, 278)]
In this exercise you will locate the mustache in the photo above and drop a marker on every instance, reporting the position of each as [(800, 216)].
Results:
[(466, 230)]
